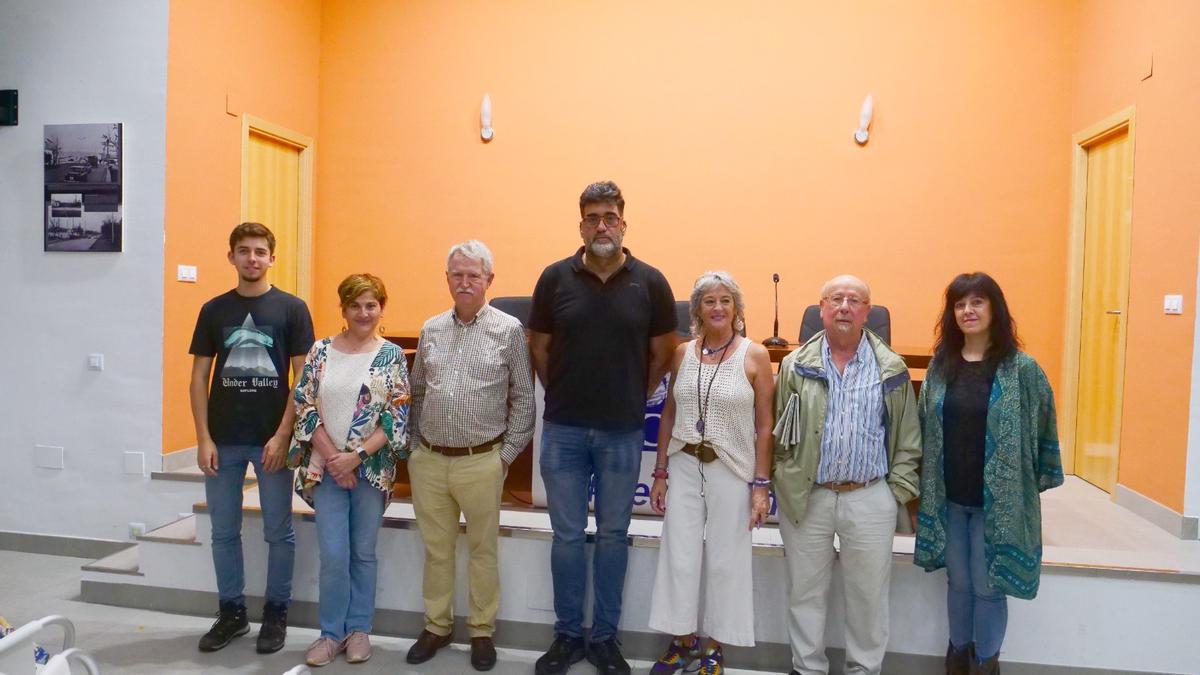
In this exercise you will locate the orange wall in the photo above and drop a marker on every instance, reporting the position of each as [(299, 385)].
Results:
[(728, 125), (1117, 41), (260, 58)]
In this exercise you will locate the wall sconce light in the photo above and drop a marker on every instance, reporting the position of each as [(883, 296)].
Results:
[(485, 119), (864, 121)]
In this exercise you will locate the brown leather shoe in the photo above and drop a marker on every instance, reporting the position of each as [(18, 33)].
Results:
[(483, 653), (426, 646)]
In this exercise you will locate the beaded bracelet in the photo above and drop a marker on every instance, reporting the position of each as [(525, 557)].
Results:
[(760, 482)]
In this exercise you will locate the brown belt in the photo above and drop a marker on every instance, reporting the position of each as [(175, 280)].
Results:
[(463, 452), (847, 486), (702, 452)]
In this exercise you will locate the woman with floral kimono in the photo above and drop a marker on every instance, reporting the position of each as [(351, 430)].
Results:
[(351, 429), (990, 448)]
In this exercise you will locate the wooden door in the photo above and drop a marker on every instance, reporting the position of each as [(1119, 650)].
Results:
[(1107, 222), (273, 199)]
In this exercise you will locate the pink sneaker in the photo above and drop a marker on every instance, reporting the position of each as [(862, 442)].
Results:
[(323, 651), (358, 647)]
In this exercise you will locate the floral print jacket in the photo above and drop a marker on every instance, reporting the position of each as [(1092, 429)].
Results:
[(384, 401)]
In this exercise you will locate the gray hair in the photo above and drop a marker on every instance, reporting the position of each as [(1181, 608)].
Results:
[(601, 193), (707, 282), (475, 250)]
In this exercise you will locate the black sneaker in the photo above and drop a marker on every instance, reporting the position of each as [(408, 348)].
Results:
[(562, 653), (606, 656), (231, 622), (273, 632)]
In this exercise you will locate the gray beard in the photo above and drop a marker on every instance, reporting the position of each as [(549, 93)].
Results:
[(603, 249)]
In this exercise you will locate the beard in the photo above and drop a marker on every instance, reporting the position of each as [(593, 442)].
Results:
[(604, 249), (252, 279)]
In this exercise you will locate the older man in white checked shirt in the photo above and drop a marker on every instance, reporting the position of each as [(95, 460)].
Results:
[(472, 414)]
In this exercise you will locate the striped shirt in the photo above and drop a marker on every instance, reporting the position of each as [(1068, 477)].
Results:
[(472, 382), (853, 446)]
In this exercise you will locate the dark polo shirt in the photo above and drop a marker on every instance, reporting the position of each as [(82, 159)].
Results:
[(600, 340)]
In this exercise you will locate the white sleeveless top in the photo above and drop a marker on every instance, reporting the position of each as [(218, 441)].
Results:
[(345, 374), (729, 423)]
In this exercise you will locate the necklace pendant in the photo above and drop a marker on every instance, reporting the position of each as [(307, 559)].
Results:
[(700, 426)]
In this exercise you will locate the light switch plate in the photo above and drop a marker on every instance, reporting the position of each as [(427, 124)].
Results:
[(135, 463), (1172, 304), (186, 273), (95, 362), (48, 456)]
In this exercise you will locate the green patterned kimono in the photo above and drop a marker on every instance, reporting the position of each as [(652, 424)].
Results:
[(1021, 458)]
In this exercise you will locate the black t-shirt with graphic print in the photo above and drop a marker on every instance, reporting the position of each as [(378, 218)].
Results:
[(252, 340)]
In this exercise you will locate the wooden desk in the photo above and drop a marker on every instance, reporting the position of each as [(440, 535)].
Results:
[(917, 359)]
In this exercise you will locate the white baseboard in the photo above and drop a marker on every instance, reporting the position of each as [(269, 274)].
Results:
[(1177, 524)]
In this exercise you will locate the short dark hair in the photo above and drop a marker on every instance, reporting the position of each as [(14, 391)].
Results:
[(357, 284), (603, 192), (247, 230), (1002, 333)]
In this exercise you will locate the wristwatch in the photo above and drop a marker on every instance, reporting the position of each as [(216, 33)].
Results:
[(362, 455)]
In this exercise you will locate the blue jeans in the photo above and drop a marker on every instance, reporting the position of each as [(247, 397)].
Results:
[(976, 610), (224, 495), (347, 529), (571, 457)]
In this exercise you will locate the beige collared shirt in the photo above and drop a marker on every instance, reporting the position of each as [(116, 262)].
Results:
[(472, 382)]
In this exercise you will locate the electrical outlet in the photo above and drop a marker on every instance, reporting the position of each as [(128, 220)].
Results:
[(48, 456), (136, 530), (95, 362), (186, 273)]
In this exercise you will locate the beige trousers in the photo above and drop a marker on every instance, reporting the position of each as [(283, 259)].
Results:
[(865, 522), (442, 488)]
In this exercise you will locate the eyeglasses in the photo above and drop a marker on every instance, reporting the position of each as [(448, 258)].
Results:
[(852, 300), (593, 220)]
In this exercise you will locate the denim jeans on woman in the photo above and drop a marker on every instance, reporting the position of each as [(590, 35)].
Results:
[(978, 613), (347, 530), (570, 458), (223, 493)]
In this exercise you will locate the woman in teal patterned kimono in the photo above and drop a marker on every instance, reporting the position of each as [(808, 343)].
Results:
[(990, 447)]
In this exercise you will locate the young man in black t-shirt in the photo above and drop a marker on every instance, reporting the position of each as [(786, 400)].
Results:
[(246, 340), (602, 330)]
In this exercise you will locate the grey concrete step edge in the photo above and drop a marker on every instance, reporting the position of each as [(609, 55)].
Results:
[(164, 533), (766, 656), (122, 562)]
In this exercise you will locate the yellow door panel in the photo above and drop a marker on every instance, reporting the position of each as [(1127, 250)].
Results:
[(1105, 294), (273, 199)]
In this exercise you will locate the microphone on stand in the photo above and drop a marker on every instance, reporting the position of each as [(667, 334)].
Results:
[(775, 340)]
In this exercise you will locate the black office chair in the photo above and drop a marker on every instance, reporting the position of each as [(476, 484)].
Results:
[(683, 319), (879, 321), (518, 306)]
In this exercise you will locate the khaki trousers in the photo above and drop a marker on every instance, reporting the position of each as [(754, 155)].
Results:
[(865, 522), (442, 488)]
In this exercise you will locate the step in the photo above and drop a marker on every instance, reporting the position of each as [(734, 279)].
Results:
[(182, 531), (122, 562), (193, 474)]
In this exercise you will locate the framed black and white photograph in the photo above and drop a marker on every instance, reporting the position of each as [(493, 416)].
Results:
[(83, 172)]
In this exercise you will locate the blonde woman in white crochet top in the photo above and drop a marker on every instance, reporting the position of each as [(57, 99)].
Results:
[(711, 481)]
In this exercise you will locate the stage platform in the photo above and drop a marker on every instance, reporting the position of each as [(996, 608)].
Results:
[(1118, 593)]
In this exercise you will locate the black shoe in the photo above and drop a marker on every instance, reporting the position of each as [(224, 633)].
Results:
[(562, 653), (606, 656), (273, 632), (231, 622), (483, 653), (426, 646)]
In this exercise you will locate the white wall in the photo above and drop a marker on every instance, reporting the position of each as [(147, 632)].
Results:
[(83, 62), (1191, 486)]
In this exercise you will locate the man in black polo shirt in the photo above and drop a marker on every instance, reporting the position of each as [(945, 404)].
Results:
[(602, 329)]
